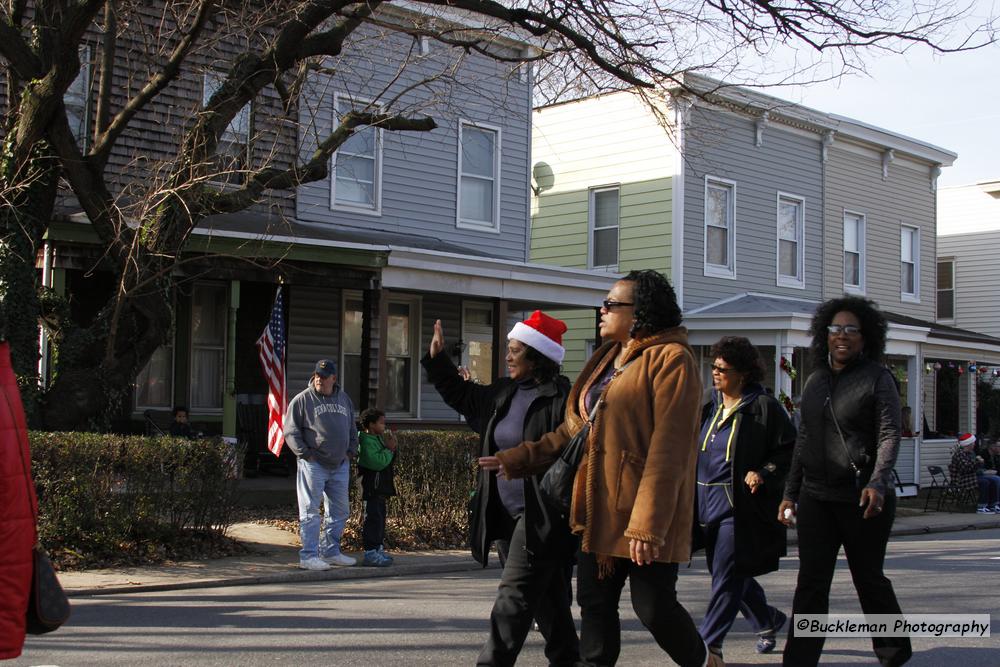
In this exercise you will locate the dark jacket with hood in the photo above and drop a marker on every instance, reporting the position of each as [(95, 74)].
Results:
[(763, 439), (483, 406), (849, 435)]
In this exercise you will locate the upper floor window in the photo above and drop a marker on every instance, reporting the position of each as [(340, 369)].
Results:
[(77, 100), (720, 242), (604, 228), (854, 252), (946, 289), (209, 314), (478, 176), (909, 259), (791, 236), (357, 164), (233, 151)]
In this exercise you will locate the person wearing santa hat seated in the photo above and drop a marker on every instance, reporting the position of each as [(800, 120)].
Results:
[(534, 546), (966, 470)]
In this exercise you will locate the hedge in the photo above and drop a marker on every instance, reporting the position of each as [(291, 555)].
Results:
[(110, 498), (435, 475), (107, 498)]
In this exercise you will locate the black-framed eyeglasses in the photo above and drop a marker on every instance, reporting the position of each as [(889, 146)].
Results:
[(720, 370), (848, 329), (609, 304)]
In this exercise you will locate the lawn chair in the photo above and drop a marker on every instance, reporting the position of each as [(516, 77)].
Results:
[(251, 433), (157, 422), (948, 494)]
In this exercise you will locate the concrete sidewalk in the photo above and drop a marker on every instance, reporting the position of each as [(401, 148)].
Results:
[(273, 558)]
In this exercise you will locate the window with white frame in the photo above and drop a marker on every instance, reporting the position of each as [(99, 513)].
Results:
[(76, 100), (604, 217), (478, 176), (791, 235), (402, 342), (477, 339), (909, 259), (720, 208), (946, 289), (209, 314), (154, 386), (357, 164), (350, 346), (854, 252), (233, 151)]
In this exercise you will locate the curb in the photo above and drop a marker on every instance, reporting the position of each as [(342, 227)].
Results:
[(293, 575)]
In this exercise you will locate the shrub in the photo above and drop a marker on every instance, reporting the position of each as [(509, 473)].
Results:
[(435, 473), (110, 498)]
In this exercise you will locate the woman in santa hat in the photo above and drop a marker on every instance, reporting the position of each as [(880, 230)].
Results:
[(534, 546)]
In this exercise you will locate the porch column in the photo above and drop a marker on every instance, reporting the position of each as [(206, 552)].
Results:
[(967, 401), (229, 395), (914, 390), (383, 337), (370, 303)]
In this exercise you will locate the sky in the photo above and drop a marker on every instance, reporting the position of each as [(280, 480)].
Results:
[(949, 100)]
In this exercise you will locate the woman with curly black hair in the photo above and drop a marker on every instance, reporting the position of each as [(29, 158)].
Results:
[(633, 495), (744, 451), (840, 482)]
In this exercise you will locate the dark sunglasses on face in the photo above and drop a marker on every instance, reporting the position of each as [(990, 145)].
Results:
[(721, 370), (609, 304), (848, 329)]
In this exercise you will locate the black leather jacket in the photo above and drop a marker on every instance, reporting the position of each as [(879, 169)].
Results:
[(835, 464)]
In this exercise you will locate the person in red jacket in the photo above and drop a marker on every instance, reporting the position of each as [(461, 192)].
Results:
[(17, 522)]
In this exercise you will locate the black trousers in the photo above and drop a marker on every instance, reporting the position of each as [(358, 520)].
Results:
[(823, 527), (373, 526), (654, 599), (532, 587)]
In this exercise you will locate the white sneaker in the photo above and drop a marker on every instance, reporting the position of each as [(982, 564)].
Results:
[(314, 563), (340, 560)]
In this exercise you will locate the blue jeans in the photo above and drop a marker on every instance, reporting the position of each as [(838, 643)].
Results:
[(313, 481)]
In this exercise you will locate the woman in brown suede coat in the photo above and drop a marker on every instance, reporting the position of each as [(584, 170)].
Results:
[(634, 490)]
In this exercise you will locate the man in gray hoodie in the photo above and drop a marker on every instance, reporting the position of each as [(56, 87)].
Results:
[(320, 430)]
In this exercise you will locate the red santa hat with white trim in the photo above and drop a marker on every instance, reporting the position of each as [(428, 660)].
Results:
[(966, 439), (542, 332)]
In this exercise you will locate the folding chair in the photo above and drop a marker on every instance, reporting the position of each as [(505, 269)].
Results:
[(907, 490), (939, 481)]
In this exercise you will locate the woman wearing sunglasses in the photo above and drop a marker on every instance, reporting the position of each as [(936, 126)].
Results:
[(840, 482), (633, 494), (744, 451)]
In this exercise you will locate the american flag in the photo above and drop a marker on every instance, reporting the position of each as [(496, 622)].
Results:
[(271, 346)]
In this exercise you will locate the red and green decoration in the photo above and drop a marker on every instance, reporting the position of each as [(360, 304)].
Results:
[(790, 371)]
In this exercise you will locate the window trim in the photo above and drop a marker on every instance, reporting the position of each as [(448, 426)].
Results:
[(954, 291), (914, 296), (800, 228), (718, 270), (225, 349), (862, 252), (592, 228), (416, 334), (498, 151), (375, 210)]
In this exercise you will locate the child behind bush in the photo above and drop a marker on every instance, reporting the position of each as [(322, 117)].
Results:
[(376, 454)]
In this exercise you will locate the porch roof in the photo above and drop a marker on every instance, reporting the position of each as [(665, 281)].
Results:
[(768, 312), (428, 264)]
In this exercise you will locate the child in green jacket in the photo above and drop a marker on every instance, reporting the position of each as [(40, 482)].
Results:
[(376, 453)]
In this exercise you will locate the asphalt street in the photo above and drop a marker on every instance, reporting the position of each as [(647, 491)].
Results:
[(442, 619)]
